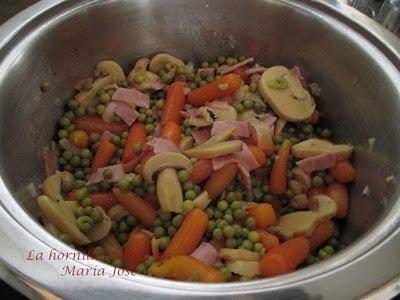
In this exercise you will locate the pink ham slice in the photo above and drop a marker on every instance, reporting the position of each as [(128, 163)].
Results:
[(106, 135), (161, 145), (131, 96), (50, 159), (317, 163), (255, 70), (264, 128), (126, 113), (245, 156), (227, 69), (201, 135), (241, 128), (205, 253), (117, 174)]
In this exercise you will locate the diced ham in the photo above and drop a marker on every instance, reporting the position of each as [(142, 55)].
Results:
[(241, 128), (317, 163), (126, 113), (201, 135), (221, 161), (247, 157), (157, 85), (255, 78), (227, 69), (117, 174), (255, 70), (244, 176), (78, 84), (161, 145), (109, 111), (131, 96), (50, 159), (205, 253), (264, 129), (157, 130), (218, 104), (297, 72), (106, 135)]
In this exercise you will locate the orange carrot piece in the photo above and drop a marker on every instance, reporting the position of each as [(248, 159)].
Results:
[(174, 104), (217, 244), (104, 154), (186, 268), (343, 171), (137, 248), (268, 240), (285, 257), (315, 117), (217, 89), (312, 192), (189, 235), (338, 192), (201, 170), (264, 214), (97, 124), (258, 154), (220, 180), (137, 136), (172, 132), (138, 207), (321, 234), (269, 142), (278, 177), (79, 139), (106, 200)]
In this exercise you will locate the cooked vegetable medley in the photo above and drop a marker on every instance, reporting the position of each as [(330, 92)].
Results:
[(220, 172)]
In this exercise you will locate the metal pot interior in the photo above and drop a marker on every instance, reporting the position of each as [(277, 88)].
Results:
[(63, 44)]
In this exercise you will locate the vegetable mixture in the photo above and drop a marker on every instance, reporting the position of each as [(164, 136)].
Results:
[(215, 173)]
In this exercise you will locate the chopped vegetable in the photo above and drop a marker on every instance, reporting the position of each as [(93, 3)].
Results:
[(343, 171), (268, 240), (137, 136), (321, 234), (137, 248), (96, 124), (174, 104), (220, 179), (278, 177), (201, 170), (103, 156), (264, 215), (172, 132), (338, 192)]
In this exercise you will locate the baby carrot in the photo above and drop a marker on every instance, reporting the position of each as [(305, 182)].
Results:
[(285, 257), (174, 103), (268, 240), (264, 214), (172, 132), (343, 171), (217, 89), (321, 234), (106, 200), (201, 170), (268, 142), (136, 206), (338, 192), (220, 180), (189, 235), (258, 154), (97, 124), (312, 192), (137, 136), (104, 154), (137, 248), (278, 178)]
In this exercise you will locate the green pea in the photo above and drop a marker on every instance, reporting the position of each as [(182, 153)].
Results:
[(323, 254), (239, 195), (122, 237), (188, 131), (218, 214), (79, 211), (253, 87), (210, 213), (222, 205), (164, 216), (157, 222), (123, 184), (190, 195), (333, 242), (137, 181), (149, 128), (310, 259), (131, 220), (221, 223), (230, 61), (84, 223), (231, 197), (75, 160), (326, 133), (65, 238), (81, 193), (238, 230), (203, 83), (197, 189), (80, 111), (239, 214), (78, 184), (245, 232), (107, 173), (247, 244), (218, 234), (236, 204), (94, 137), (63, 134), (289, 193), (140, 191), (250, 223), (253, 236), (229, 231), (164, 241), (62, 161), (100, 109), (204, 64), (221, 60), (193, 86), (211, 225), (79, 174), (64, 122), (171, 230), (226, 273), (231, 243), (248, 104), (308, 128), (329, 249), (183, 176), (188, 205), (258, 247), (239, 107), (87, 85), (159, 231), (278, 83), (317, 181), (177, 220), (142, 117), (86, 201), (228, 218)]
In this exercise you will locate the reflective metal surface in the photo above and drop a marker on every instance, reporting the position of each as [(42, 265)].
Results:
[(356, 63)]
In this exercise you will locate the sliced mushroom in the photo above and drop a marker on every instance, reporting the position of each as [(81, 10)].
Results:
[(291, 101), (117, 212), (245, 268), (186, 143), (51, 187), (165, 160), (169, 191), (238, 254), (62, 219), (299, 202), (101, 229), (296, 186), (220, 137), (313, 147), (202, 118), (214, 150), (202, 200), (227, 114), (149, 80), (302, 177), (85, 98), (159, 61), (303, 223), (109, 67), (279, 126)]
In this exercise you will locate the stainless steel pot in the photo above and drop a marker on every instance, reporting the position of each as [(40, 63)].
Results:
[(356, 62)]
